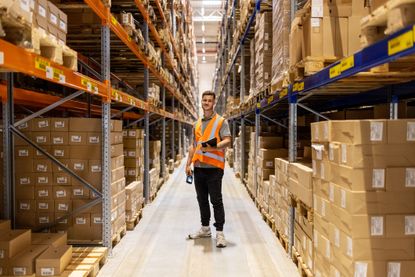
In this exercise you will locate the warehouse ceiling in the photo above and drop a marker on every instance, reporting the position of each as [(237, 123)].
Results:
[(207, 16)]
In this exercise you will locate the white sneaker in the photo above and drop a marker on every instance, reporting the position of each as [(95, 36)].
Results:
[(204, 232), (220, 240)]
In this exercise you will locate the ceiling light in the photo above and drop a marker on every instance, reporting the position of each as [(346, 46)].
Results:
[(204, 58), (203, 50), (203, 27), (203, 40), (202, 11)]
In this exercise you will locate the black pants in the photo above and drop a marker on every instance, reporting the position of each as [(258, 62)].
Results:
[(208, 182)]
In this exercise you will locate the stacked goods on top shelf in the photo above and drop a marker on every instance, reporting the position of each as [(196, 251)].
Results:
[(39, 26), (263, 50), (323, 32), (252, 62), (281, 22), (45, 193), (363, 197), (133, 154)]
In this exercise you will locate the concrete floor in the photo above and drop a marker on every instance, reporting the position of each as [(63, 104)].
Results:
[(158, 245)]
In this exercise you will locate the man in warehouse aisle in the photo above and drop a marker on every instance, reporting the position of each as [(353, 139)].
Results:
[(211, 137)]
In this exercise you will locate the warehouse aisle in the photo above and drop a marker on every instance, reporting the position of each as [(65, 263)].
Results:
[(157, 247)]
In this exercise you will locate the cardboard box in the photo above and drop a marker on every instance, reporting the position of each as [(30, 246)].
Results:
[(43, 192), (63, 206), (59, 138), (25, 192), (78, 138), (131, 143), (63, 224), (80, 203), (303, 193), (85, 125), (5, 224), (62, 179), (44, 219), (13, 242), (41, 124), (94, 138), (25, 220), (54, 260), (24, 263), (401, 131), (26, 205), (79, 166), (270, 142), (42, 166), (50, 239), (61, 152), (23, 152), (117, 174), (93, 152), (41, 138), (320, 131), (116, 126), (116, 138), (62, 192), (43, 179), (359, 131), (117, 150), (80, 192), (45, 206), (59, 125), (63, 22), (301, 173), (135, 133), (268, 154), (23, 166), (117, 162)]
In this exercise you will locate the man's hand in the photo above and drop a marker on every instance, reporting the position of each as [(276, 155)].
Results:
[(188, 170), (209, 148)]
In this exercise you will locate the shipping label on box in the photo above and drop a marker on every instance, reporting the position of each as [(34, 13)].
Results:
[(59, 124), (41, 125)]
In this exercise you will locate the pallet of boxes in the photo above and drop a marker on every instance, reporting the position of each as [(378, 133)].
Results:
[(45, 254), (133, 140), (45, 193), (40, 27), (155, 181), (263, 50), (364, 195)]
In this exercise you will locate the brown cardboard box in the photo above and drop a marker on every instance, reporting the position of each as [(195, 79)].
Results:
[(136, 133), (320, 131), (117, 161), (25, 220), (94, 138), (44, 219), (61, 152), (85, 125), (45, 206), (268, 154), (25, 192), (63, 224), (58, 169), (25, 179), (4, 267), (94, 209), (24, 263), (359, 131), (303, 193), (59, 138), (41, 125), (41, 138), (116, 138), (5, 224), (63, 206), (301, 173), (401, 131), (13, 242), (43, 179), (321, 188), (117, 186), (117, 150), (62, 192), (42, 165), (133, 153), (93, 152), (26, 205), (116, 125), (50, 239), (270, 142), (63, 22), (320, 151), (78, 138), (53, 14), (24, 152), (400, 179), (321, 225), (117, 174), (43, 192), (59, 124), (54, 260), (131, 143), (80, 192), (23, 166), (79, 166), (62, 179), (322, 170)]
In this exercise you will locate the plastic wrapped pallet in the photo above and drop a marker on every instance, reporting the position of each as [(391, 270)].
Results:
[(281, 21), (263, 50)]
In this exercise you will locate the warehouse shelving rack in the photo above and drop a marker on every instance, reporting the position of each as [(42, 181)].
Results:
[(16, 59), (344, 84)]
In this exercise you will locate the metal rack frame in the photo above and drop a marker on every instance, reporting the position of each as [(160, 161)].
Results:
[(19, 60)]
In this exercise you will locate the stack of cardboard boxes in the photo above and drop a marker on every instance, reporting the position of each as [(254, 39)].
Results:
[(134, 200), (133, 154), (282, 197), (155, 150), (263, 50), (280, 41), (26, 253), (364, 197), (45, 193), (1, 171)]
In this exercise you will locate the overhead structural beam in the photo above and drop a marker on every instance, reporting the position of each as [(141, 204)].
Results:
[(129, 108)]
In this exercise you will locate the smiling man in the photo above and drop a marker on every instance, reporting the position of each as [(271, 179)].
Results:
[(212, 136)]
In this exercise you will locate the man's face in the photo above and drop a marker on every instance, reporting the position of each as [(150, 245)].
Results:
[(208, 102)]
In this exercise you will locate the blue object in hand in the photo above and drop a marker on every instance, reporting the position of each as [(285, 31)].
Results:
[(189, 179)]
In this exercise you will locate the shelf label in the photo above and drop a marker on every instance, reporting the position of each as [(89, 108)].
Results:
[(335, 71), (400, 43), (89, 86), (258, 105), (129, 38), (1, 57), (270, 99), (283, 93), (298, 86), (49, 72), (41, 63), (114, 20), (62, 79), (347, 63)]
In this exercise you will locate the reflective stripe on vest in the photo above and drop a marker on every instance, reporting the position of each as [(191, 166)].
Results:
[(211, 155)]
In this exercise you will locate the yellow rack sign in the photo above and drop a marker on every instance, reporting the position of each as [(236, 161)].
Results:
[(401, 43)]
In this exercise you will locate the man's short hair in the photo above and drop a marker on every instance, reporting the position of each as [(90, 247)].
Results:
[(209, 92)]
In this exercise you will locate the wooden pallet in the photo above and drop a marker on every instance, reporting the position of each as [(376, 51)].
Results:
[(283, 240), (280, 83), (268, 219), (309, 66), (15, 29), (121, 232), (387, 19), (86, 261), (299, 262), (134, 221)]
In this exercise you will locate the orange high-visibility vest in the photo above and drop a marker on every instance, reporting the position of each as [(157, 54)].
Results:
[(214, 158)]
